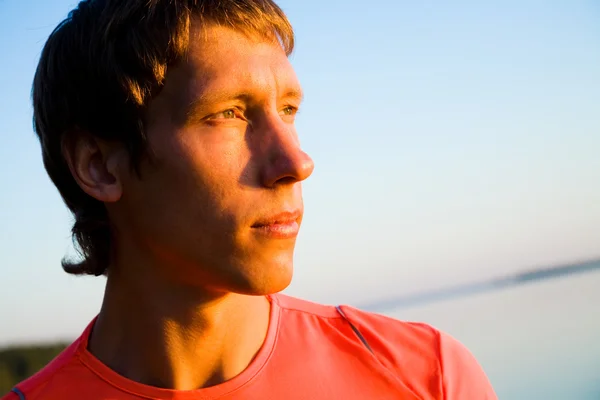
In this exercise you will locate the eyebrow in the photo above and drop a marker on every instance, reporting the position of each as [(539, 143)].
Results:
[(295, 94)]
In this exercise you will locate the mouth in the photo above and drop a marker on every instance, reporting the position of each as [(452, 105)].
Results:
[(282, 226)]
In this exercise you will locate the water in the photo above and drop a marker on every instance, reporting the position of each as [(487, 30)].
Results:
[(535, 341)]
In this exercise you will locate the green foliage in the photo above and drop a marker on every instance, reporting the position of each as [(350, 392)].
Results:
[(19, 363)]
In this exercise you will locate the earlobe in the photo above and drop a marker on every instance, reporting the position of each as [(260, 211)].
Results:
[(94, 166)]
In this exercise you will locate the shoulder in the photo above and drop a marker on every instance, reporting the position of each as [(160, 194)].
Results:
[(409, 350), (421, 356), (379, 329), (300, 307), (59, 378), (430, 353), (393, 341), (36, 384)]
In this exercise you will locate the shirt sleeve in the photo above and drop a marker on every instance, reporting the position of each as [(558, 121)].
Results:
[(462, 376)]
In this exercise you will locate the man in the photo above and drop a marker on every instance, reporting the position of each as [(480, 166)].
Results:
[(168, 128)]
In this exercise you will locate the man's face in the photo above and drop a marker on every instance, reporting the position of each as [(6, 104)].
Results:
[(221, 203)]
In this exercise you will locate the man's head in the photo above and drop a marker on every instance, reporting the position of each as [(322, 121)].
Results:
[(168, 127)]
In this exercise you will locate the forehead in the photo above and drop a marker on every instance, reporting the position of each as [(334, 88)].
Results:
[(224, 60)]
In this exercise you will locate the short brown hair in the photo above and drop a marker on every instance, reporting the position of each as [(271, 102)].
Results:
[(98, 71)]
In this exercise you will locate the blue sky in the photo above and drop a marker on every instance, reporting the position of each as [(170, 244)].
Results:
[(452, 140)]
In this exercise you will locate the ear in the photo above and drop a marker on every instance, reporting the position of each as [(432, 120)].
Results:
[(95, 165)]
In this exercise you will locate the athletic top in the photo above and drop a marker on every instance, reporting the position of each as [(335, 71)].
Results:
[(311, 352)]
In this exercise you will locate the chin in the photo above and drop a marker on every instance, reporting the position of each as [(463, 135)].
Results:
[(264, 278)]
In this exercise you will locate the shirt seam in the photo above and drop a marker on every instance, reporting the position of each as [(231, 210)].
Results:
[(264, 365), (221, 395), (314, 314), (441, 364), (385, 369), (109, 381)]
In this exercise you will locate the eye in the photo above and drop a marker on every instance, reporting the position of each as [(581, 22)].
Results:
[(289, 110), (227, 114)]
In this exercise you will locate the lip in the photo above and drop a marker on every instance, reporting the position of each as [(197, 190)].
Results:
[(284, 225)]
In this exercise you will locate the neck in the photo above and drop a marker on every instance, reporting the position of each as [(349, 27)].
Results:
[(174, 337)]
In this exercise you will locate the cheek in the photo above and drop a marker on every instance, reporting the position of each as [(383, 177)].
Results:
[(208, 170)]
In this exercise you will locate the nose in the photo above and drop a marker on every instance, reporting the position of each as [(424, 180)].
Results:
[(285, 161)]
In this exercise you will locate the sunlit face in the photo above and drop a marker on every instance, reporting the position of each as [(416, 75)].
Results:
[(221, 204)]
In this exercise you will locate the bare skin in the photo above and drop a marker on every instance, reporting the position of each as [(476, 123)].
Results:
[(210, 226)]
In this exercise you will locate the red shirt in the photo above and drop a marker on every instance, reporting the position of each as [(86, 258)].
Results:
[(311, 352)]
